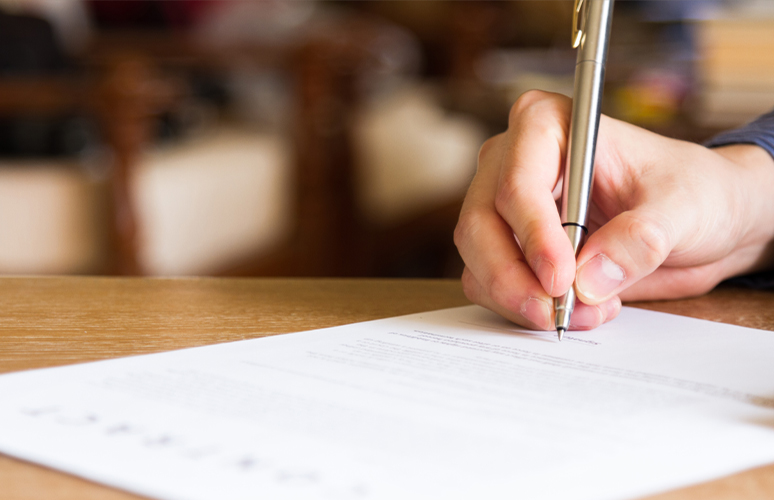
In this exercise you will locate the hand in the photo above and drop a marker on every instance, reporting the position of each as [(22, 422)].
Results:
[(669, 218)]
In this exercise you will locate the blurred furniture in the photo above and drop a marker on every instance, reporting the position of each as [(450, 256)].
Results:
[(125, 96), (735, 68), (59, 321), (329, 234), (336, 226), (121, 85), (413, 163), (212, 198), (54, 218)]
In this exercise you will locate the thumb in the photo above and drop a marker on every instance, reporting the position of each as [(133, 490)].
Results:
[(626, 249)]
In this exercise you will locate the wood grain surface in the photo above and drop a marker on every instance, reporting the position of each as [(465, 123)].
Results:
[(57, 321)]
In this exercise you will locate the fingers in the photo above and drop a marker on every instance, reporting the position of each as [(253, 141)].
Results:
[(622, 252), (657, 191), (531, 165), (491, 254), (529, 312), (667, 283), (503, 281), (585, 317), (509, 234)]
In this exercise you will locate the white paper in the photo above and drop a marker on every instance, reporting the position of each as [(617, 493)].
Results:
[(447, 404)]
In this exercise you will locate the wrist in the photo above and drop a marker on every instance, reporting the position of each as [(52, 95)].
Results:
[(753, 167)]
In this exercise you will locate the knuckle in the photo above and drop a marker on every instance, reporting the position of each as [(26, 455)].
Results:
[(467, 227), (651, 239), (539, 107), (526, 101), (486, 150), (499, 288), (530, 236), (470, 286), (507, 193)]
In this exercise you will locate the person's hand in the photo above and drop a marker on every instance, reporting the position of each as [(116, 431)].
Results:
[(669, 219)]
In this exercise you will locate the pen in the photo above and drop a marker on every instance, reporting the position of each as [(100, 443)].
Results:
[(591, 33)]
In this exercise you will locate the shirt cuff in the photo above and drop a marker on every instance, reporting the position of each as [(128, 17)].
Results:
[(759, 132), (758, 281)]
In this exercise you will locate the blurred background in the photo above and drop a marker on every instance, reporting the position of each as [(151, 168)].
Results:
[(302, 138)]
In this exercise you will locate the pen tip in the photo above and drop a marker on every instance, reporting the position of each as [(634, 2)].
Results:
[(560, 332)]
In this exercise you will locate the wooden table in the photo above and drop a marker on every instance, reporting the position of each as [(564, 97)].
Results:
[(58, 321)]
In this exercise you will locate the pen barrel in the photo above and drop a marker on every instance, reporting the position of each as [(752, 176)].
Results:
[(584, 126), (564, 305), (577, 236), (579, 170), (586, 108), (596, 31)]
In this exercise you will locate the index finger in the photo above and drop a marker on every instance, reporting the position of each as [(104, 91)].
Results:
[(492, 256), (531, 167)]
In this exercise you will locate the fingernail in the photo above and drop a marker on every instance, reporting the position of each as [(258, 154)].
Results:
[(537, 311), (585, 318), (599, 277), (545, 271)]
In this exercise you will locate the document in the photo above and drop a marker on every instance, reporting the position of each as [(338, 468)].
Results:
[(448, 404)]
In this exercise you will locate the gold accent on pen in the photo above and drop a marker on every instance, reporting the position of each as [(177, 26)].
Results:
[(577, 29)]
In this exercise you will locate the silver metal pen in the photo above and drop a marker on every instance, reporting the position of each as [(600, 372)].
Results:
[(591, 33)]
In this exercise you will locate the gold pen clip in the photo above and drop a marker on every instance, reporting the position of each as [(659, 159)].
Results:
[(577, 19)]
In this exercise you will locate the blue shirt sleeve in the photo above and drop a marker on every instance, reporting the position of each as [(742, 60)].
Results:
[(759, 132)]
